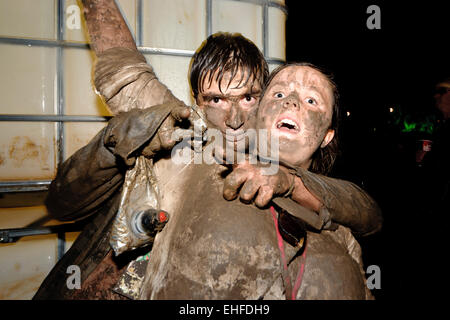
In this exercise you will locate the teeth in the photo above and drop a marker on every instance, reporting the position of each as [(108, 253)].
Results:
[(288, 122)]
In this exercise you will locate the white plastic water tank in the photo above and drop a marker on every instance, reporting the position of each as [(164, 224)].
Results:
[(49, 108)]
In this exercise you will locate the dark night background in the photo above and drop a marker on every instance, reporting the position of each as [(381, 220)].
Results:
[(396, 66)]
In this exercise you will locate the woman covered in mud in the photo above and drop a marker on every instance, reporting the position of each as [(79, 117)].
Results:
[(299, 107)]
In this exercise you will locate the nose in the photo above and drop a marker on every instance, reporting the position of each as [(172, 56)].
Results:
[(291, 101), (236, 118)]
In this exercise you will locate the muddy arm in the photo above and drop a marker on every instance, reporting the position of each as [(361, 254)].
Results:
[(106, 26), (93, 174), (316, 199), (84, 181), (122, 75), (346, 203)]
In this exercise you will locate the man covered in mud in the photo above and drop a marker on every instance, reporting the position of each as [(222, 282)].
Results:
[(205, 230)]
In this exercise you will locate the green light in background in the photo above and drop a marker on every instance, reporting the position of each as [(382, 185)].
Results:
[(426, 125), (409, 127)]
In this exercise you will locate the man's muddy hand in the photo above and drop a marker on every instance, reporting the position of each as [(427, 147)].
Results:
[(163, 137), (133, 133), (249, 183)]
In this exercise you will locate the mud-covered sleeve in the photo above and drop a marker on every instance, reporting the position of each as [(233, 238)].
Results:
[(84, 181), (94, 173), (346, 203), (125, 81)]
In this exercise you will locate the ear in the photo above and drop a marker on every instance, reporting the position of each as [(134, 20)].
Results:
[(328, 137)]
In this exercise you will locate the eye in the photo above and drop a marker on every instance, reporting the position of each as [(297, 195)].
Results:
[(311, 101), (279, 95), (215, 99), (248, 100)]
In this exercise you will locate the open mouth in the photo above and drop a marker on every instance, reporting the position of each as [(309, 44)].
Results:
[(287, 125)]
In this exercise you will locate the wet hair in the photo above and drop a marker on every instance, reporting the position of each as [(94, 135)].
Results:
[(227, 52), (323, 158)]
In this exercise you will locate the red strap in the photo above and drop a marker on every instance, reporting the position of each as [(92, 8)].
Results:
[(290, 294), (298, 280), (286, 276)]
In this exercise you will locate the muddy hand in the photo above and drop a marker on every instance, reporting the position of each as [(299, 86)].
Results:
[(163, 138), (249, 183), (130, 133)]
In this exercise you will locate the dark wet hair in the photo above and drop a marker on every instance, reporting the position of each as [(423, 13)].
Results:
[(323, 158), (227, 52)]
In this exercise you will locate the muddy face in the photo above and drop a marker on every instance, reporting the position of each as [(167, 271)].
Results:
[(297, 108), (442, 99), (229, 106)]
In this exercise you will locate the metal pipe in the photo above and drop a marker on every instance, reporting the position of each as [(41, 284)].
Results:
[(52, 118), (65, 44), (269, 3), (278, 6), (208, 18), (61, 244), (24, 186), (14, 234), (167, 52), (61, 101), (139, 31), (44, 43), (60, 84), (274, 61), (265, 28)]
